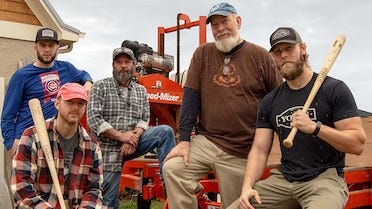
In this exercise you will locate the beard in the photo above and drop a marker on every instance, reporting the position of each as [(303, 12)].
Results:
[(227, 44), (71, 120), (292, 70), (122, 76), (44, 61)]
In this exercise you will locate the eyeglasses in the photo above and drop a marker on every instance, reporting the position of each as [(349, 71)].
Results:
[(226, 67)]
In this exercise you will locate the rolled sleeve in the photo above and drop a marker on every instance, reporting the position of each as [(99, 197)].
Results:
[(142, 124), (103, 128)]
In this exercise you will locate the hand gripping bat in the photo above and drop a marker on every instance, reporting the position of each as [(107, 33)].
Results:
[(326, 67), (42, 135)]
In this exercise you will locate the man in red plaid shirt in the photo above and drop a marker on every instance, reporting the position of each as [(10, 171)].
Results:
[(77, 157)]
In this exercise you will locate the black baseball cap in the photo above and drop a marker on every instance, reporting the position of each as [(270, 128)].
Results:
[(284, 35), (46, 34)]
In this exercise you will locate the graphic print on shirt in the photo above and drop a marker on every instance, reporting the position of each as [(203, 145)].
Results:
[(228, 76), (285, 118), (51, 83)]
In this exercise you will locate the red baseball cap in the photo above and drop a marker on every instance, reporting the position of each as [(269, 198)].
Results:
[(72, 91)]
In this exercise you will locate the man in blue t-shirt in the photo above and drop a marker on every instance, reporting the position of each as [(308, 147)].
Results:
[(41, 80), (311, 171)]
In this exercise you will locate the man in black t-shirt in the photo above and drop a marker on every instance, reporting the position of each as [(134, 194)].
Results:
[(311, 172)]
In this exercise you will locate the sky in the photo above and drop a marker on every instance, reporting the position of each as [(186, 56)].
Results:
[(108, 23)]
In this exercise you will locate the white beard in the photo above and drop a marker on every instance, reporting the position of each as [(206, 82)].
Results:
[(227, 44)]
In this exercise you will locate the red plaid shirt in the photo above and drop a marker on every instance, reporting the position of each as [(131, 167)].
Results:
[(32, 184)]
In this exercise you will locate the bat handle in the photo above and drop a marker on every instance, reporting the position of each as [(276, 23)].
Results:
[(288, 142)]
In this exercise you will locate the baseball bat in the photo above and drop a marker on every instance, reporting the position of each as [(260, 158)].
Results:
[(42, 135), (326, 67)]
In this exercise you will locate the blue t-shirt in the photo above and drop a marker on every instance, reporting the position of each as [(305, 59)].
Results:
[(309, 155), (31, 82)]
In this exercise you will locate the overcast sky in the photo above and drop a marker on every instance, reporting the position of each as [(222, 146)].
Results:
[(108, 23)]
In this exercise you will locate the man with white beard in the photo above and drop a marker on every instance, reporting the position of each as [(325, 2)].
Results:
[(225, 83)]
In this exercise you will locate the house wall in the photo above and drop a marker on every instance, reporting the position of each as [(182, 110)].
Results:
[(17, 11), (14, 54), (365, 159)]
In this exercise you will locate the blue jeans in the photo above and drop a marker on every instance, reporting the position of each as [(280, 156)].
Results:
[(110, 186), (160, 137)]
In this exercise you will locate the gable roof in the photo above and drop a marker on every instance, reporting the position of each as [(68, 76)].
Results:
[(48, 17)]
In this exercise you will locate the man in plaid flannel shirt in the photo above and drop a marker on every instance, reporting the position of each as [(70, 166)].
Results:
[(77, 157), (119, 113)]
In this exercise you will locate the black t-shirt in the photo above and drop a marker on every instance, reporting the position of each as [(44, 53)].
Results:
[(309, 155)]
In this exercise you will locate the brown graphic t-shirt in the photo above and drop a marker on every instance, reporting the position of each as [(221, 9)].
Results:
[(231, 88)]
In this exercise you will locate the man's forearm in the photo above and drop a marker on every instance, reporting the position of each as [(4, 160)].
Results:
[(139, 131), (113, 134), (189, 112)]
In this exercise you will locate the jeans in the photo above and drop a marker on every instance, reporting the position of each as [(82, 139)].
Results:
[(110, 186), (160, 137)]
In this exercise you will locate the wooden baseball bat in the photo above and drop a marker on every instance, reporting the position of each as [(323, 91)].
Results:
[(326, 67), (42, 135)]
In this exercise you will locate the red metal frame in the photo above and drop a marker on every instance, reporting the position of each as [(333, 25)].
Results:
[(201, 23), (165, 97), (138, 169), (359, 181)]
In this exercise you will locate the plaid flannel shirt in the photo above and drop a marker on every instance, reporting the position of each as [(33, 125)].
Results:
[(111, 107), (32, 184)]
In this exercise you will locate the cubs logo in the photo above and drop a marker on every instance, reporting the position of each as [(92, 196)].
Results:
[(51, 83), (52, 86)]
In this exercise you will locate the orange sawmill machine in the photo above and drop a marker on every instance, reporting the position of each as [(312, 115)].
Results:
[(165, 96)]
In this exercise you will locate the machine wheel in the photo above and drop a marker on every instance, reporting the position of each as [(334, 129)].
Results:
[(143, 204)]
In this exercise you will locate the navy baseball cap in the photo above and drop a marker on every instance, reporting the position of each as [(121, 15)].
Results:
[(223, 9), (284, 35), (46, 34)]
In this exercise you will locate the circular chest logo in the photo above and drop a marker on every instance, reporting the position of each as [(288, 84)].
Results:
[(51, 86)]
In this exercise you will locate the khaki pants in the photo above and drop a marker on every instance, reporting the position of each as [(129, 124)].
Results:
[(182, 182), (328, 190)]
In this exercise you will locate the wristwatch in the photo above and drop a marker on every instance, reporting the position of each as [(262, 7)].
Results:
[(317, 128)]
